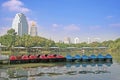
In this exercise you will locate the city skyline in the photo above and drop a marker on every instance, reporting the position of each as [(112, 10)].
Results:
[(56, 20)]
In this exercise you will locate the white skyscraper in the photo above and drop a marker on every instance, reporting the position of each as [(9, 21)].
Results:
[(33, 29), (20, 24), (88, 40), (76, 40), (67, 40)]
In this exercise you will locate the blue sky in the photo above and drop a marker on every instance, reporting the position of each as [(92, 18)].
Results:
[(57, 19)]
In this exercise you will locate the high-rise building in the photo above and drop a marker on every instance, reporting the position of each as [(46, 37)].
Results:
[(76, 40), (33, 29), (67, 40), (20, 24)]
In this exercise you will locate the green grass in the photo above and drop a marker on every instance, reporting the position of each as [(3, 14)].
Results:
[(27, 65), (13, 53)]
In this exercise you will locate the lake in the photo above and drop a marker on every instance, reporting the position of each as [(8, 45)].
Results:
[(65, 71)]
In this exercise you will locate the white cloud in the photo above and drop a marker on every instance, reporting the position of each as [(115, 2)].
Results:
[(115, 25), (55, 25), (72, 27), (15, 5), (109, 17), (95, 27)]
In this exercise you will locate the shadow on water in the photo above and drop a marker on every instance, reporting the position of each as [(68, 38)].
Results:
[(69, 68), (116, 56)]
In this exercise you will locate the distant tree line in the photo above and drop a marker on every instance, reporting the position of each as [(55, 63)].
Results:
[(11, 39), (112, 45)]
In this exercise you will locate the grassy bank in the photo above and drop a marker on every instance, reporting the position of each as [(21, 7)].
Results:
[(31, 65), (11, 53)]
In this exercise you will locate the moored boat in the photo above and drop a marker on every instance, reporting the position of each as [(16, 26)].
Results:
[(100, 57), (32, 58), (93, 58), (85, 58), (52, 57), (69, 58), (108, 58), (77, 57), (13, 59), (44, 58), (24, 59), (60, 58)]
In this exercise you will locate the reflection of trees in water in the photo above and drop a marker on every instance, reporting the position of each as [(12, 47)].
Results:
[(116, 56), (67, 69), (70, 68)]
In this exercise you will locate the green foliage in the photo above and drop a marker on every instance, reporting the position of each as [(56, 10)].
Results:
[(62, 45), (11, 39), (112, 45), (11, 31)]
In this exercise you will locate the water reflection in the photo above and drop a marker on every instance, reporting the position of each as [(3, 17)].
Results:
[(66, 69)]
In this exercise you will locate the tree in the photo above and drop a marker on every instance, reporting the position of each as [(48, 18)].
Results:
[(10, 31), (9, 38)]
